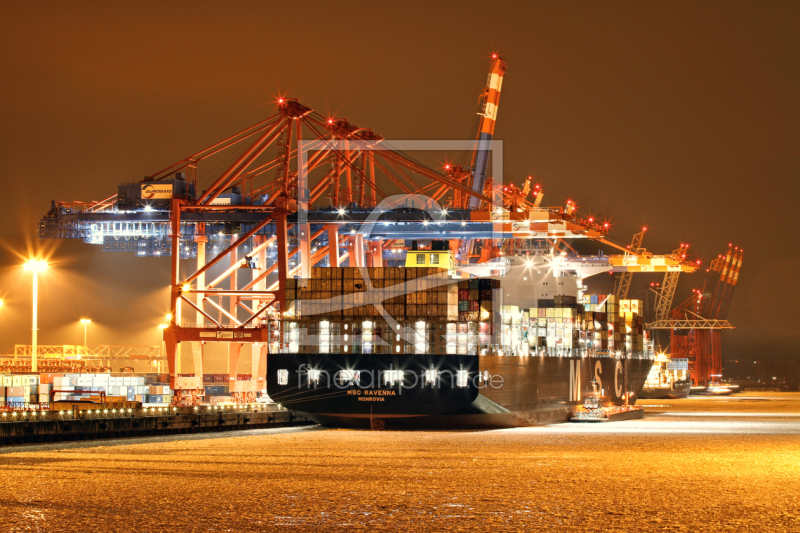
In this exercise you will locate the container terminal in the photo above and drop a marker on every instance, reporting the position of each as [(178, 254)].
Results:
[(374, 290)]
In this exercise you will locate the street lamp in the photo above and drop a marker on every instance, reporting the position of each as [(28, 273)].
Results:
[(85, 322), (162, 347), (35, 266)]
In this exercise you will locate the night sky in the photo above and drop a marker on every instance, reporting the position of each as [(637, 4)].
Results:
[(680, 116)]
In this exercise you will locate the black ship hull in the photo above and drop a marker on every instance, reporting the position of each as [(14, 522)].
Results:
[(447, 391), (679, 390)]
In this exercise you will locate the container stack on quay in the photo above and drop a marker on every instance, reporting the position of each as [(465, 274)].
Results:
[(32, 389), (223, 388), (21, 391), (52, 366)]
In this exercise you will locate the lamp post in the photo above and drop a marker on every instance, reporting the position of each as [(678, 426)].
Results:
[(35, 266), (162, 345), (85, 322)]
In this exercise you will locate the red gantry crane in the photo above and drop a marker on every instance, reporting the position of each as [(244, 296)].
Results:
[(696, 324)]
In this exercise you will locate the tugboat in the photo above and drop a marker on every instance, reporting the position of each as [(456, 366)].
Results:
[(593, 411)]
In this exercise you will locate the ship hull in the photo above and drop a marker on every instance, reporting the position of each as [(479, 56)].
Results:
[(666, 393), (465, 391)]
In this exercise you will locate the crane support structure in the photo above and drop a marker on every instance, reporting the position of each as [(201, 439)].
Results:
[(624, 283)]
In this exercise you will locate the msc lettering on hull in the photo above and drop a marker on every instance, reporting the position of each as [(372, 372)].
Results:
[(575, 381)]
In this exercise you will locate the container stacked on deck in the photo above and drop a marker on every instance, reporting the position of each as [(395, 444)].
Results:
[(631, 325), (341, 293), (514, 326), (336, 311), (561, 324), (591, 322), (476, 299)]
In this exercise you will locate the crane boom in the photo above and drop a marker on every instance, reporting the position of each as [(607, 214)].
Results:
[(667, 292), (490, 96)]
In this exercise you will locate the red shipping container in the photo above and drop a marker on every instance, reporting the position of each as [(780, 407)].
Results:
[(463, 294), (474, 305)]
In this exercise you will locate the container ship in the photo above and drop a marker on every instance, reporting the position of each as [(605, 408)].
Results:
[(668, 379), (421, 347)]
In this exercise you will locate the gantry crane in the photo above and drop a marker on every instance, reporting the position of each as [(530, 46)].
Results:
[(695, 325)]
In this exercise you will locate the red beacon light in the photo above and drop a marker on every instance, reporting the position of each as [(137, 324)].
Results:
[(644, 228)]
